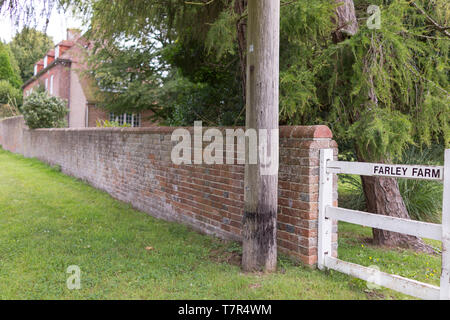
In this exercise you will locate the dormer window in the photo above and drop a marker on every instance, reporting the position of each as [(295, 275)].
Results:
[(45, 61), (56, 52)]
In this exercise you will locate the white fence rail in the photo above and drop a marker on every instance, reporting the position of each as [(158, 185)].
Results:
[(328, 213)]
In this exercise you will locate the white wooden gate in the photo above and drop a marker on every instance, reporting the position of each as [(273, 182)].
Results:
[(328, 213)]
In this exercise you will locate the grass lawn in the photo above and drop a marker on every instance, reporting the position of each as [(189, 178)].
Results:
[(49, 221)]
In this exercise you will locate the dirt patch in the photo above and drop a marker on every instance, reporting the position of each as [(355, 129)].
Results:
[(223, 256), (374, 295)]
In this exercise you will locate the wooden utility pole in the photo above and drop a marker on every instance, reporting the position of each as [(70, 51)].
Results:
[(261, 189)]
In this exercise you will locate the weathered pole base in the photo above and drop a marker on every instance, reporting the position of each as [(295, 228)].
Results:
[(259, 250)]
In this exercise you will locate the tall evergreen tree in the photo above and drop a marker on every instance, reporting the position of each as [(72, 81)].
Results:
[(9, 69), (28, 46)]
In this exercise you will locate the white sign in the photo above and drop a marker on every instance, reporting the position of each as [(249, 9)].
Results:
[(408, 172), (387, 170)]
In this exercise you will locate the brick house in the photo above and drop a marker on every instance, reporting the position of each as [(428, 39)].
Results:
[(62, 73)]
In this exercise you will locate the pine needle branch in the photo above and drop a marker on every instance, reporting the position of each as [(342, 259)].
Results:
[(436, 25)]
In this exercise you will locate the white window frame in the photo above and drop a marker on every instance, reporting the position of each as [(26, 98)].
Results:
[(46, 84), (45, 61), (56, 52), (35, 69), (51, 84)]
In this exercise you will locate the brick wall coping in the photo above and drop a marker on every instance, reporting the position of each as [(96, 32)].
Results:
[(307, 132), (11, 118)]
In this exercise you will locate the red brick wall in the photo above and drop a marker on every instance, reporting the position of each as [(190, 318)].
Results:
[(61, 81), (145, 119), (96, 114), (134, 165)]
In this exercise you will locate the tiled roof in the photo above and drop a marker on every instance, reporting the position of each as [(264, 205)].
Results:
[(66, 43)]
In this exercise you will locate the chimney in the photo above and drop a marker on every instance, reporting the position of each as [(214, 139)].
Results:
[(49, 58), (73, 34), (38, 67)]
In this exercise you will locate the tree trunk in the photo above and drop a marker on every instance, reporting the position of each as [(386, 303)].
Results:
[(382, 194), (383, 197), (345, 20), (261, 188)]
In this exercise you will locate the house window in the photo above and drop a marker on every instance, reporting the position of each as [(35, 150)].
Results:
[(137, 120), (35, 69), (46, 84), (51, 85), (120, 119), (45, 61), (127, 118), (56, 52)]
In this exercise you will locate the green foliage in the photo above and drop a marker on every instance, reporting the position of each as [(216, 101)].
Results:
[(389, 86), (202, 86), (127, 76), (28, 47), (351, 195), (215, 105), (221, 38), (9, 110), (397, 75), (381, 134), (178, 81), (43, 111), (111, 124), (9, 93), (305, 34), (9, 70)]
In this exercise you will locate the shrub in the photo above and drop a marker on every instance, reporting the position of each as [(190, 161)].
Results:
[(43, 111), (8, 110), (111, 124), (9, 93)]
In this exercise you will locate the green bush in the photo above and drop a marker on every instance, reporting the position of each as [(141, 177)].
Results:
[(422, 198), (8, 110), (43, 111), (9, 93)]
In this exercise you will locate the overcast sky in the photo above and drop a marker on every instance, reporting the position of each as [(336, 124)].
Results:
[(58, 24)]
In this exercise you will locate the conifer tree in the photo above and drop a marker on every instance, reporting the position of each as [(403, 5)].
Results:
[(9, 70)]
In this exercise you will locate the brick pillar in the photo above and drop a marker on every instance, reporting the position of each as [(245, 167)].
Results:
[(299, 190)]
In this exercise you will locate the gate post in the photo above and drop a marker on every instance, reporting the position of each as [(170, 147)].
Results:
[(325, 199), (445, 277)]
